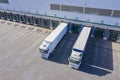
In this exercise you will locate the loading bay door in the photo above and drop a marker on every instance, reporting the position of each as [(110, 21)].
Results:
[(75, 28)]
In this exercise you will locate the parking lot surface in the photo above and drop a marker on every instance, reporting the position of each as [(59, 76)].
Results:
[(20, 58)]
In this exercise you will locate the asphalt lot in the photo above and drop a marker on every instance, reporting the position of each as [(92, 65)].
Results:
[(20, 58)]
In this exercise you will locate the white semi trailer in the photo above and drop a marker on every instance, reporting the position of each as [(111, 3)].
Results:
[(50, 42), (79, 48)]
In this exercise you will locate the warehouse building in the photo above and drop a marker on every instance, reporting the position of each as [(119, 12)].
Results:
[(25, 24), (102, 17)]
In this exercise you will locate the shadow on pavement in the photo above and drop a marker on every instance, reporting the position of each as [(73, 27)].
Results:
[(64, 49), (97, 59)]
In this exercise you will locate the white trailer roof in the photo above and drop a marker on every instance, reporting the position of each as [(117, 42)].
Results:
[(56, 32), (82, 39)]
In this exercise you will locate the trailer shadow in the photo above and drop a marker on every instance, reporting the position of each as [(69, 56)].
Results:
[(64, 49), (97, 60)]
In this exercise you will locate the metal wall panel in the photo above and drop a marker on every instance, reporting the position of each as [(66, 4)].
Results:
[(88, 10), (91, 10), (55, 6), (104, 12), (116, 13), (4, 1), (65, 8), (77, 9)]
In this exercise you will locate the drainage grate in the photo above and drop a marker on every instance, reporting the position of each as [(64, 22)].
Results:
[(39, 30), (15, 25), (30, 28), (23, 26), (9, 23)]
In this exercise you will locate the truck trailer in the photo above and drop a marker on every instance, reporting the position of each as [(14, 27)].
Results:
[(79, 48), (50, 42)]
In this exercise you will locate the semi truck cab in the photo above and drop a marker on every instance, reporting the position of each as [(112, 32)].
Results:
[(75, 58), (79, 48), (45, 49), (51, 41)]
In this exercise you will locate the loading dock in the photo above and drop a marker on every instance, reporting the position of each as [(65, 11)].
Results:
[(3, 15), (99, 32), (0, 15), (36, 21), (46, 23), (93, 31), (75, 28), (114, 35), (41, 22), (29, 20), (54, 24), (106, 34), (51, 23), (22, 18), (9, 16), (15, 17), (118, 37), (49, 20)]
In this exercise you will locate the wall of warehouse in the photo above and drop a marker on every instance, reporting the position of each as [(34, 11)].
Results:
[(43, 7)]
